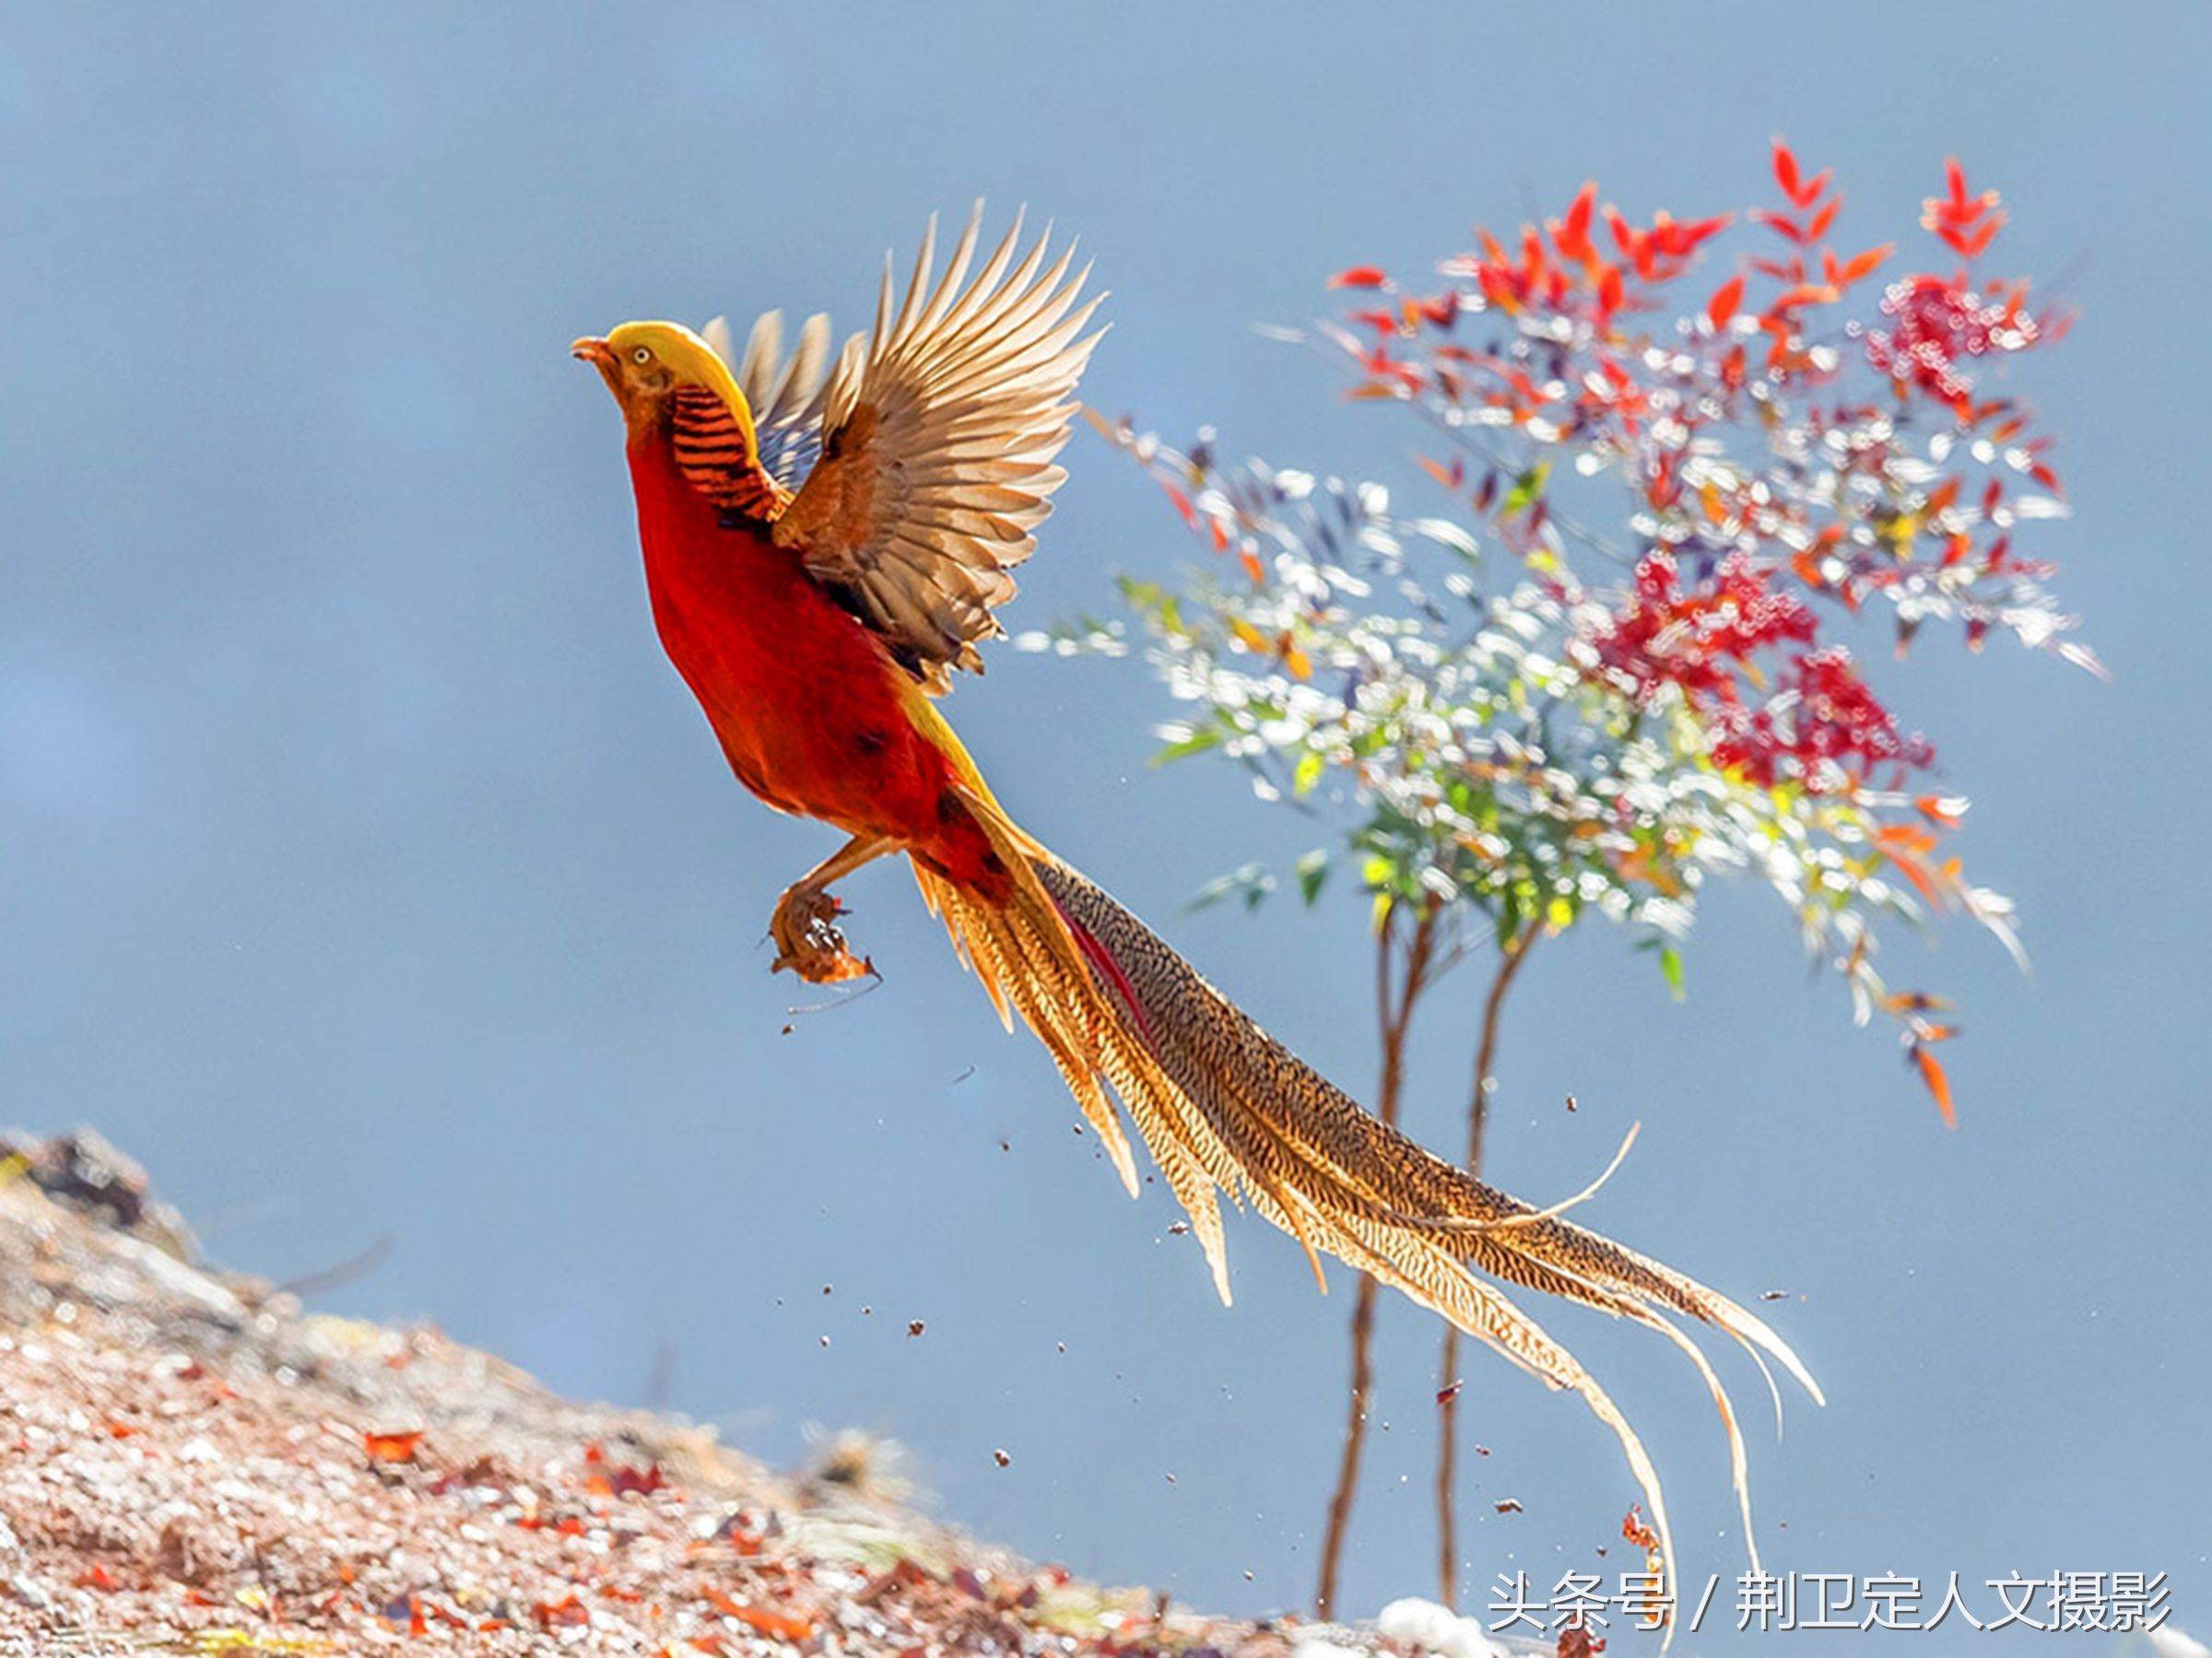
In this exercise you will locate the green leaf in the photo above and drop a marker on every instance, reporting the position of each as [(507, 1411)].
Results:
[(1526, 489), (1312, 870), (1670, 964), (1198, 742), (1251, 883)]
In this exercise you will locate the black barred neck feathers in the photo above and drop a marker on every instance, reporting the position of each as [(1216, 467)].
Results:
[(714, 458)]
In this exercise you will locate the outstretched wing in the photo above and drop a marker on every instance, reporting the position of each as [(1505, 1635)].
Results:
[(939, 433), (784, 393)]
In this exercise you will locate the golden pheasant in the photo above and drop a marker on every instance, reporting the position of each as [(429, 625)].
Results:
[(823, 546)]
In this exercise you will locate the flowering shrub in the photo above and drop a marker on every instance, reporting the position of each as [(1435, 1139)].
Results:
[(1595, 664)]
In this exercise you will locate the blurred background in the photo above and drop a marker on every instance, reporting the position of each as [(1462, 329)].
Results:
[(366, 870)]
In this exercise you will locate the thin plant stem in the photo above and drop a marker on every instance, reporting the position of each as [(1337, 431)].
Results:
[(1447, 1388), (1394, 1015)]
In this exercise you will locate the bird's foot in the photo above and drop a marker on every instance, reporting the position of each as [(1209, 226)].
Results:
[(809, 942)]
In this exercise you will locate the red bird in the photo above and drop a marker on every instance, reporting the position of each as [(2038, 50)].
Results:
[(818, 620)]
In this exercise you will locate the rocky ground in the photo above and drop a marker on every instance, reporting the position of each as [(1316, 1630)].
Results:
[(190, 1462)]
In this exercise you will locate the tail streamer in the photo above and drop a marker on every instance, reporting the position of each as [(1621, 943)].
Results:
[(1222, 1107)]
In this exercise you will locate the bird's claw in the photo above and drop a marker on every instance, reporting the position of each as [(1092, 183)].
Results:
[(809, 942)]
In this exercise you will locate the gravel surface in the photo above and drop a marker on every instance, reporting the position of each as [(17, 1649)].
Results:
[(189, 1461)]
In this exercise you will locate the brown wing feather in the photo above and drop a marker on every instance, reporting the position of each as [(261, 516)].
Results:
[(940, 430)]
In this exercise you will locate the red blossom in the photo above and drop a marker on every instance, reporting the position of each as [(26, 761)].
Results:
[(1935, 323), (1697, 640), (1823, 728)]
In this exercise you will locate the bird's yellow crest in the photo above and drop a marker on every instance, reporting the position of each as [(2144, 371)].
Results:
[(688, 360)]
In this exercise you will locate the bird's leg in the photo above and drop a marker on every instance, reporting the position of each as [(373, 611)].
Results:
[(804, 924)]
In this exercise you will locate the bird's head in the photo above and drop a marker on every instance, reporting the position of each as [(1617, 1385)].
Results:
[(646, 364)]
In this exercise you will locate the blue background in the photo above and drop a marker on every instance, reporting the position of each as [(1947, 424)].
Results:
[(366, 870)]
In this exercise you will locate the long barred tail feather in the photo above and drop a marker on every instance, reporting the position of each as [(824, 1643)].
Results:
[(1223, 1107)]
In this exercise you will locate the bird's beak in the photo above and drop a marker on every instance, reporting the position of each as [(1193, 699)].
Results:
[(591, 350)]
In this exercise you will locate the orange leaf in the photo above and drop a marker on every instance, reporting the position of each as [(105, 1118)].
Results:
[(1611, 292), (1914, 1001), (1981, 238), (1785, 170), (768, 1623), (1781, 224), (1863, 264), (392, 1447), (1577, 221), (1914, 870), (1726, 299), (1359, 276), (1804, 293), (568, 1610), (1939, 1085)]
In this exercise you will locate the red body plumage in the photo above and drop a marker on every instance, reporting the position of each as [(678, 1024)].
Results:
[(808, 706)]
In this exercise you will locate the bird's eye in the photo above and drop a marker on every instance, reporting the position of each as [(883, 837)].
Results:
[(641, 354)]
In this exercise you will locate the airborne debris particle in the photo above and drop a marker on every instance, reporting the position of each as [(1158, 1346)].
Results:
[(913, 1326), (1507, 1505), (1449, 1391), (825, 1341), (1775, 1294), (1482, 1451), (1570, 1104), (827, 1288), (1001, 1458), (1178, 1228)]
